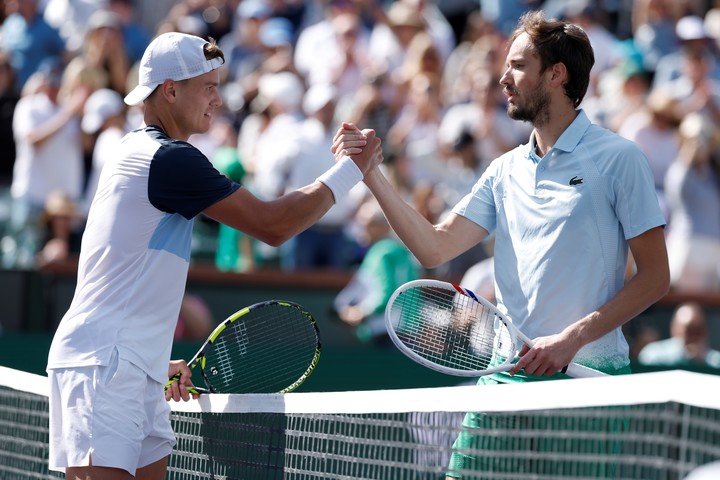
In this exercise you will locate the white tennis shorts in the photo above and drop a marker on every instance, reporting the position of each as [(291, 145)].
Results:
[(116, 414)]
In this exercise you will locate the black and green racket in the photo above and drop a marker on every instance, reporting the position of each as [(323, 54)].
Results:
[(268, 347)]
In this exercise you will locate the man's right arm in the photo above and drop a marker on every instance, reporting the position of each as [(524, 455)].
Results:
[(431, 244)]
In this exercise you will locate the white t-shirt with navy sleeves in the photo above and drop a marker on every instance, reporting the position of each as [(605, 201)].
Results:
[(135, 253), (562, 223)]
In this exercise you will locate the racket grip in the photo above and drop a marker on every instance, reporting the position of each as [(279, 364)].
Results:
[(172, 380), (190, 388), (580, 371)]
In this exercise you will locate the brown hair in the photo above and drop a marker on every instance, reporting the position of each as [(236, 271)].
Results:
[(555, 42), (212, 50)]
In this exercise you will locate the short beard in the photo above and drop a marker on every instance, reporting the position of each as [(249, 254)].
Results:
[(537, 112)]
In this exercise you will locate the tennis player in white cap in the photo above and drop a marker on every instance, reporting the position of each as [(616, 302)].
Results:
[(108, 362)]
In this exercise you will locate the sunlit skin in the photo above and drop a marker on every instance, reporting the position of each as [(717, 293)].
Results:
[(186, 107), (540, 97), (524, 84)]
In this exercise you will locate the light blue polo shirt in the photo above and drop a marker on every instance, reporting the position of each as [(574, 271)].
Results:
[(562, 224)]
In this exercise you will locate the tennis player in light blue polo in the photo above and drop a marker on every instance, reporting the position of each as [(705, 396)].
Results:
[(566, 209), (574, 210)]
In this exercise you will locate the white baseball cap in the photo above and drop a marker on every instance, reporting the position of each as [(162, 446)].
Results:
[(317, 97), (170, 56), (100, 106)]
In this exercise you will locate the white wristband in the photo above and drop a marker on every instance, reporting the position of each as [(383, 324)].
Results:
[(341, 177)]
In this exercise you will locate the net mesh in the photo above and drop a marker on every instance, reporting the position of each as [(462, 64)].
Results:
[(647, 426)]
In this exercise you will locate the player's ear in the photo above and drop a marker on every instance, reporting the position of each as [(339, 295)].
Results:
[(169, 90), (558, 74)]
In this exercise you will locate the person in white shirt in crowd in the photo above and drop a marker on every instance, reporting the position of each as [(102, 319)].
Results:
[(270, 153), (46, 127), (692, 191), (326, 244), (342, 38), (103, 118), (654, 128), (693, 42)]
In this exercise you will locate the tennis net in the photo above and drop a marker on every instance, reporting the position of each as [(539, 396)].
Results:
[(645, 426)]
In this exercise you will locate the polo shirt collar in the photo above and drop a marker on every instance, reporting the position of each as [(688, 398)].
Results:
[(568, 140)]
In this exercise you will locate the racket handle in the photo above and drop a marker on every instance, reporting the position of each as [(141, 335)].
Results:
[(192, 389), (580, 371)]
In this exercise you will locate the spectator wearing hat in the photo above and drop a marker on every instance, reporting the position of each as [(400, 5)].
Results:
[(103, 50), (62, 223), (327, 243), (694, 44), (697, 88), (104, 120), (395, 28), (277, 36), (654, 128), (281, 94)]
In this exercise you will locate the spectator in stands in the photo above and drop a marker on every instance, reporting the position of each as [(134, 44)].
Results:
[(478, 49), (29, 39), (653, 28), (134, 35), (695, 44), (654, 128), (46, 126), (392, 34), (343, 40), (622, 92), (416, 129), (235, 250), (587, 15), (386, 265), (482, 116), (696, 90), (103, 49), (104, 120), (282, 93), (692, 191), (689, 342), (62, 220), (325, 244), (134, 261), (245, 50)]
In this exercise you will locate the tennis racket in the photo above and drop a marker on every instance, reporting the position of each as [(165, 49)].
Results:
[(268, 347), (450, 329)]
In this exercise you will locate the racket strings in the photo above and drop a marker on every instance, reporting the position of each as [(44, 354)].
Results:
[(448, 328), (263, 351)]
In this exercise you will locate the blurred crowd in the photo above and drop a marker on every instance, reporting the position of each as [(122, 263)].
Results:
[(424, 74)]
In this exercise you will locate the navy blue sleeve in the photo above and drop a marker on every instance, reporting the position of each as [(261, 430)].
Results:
[(182, 180)]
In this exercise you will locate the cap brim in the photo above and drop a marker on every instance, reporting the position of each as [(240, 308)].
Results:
[(138, 94)]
